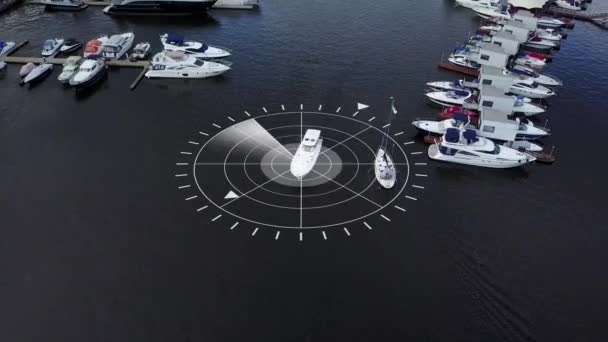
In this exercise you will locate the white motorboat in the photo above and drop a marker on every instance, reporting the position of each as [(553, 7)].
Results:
[(306, 156), (548, 34), (158, 7), (491, 13), (237, 4), (569, 5), (527, 108), (549, 22), (448, 85), (89, 72), (524, 145), (70, 44), (38, 73), (526, 130), (64, 5), (451, 97), (175, 64), (462, 59), (70, 68), (529, 61), (140, 51), (384, 167), (524, 72), (51, 46), (542, 44), (26, 69), (117, 45), (531, 90), (176, 42), (479, 3), (95, 46), (6, 47), (463, 146)]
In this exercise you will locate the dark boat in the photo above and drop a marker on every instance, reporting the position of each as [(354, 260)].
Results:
[(64, 5), (159, 7), (70, 45)]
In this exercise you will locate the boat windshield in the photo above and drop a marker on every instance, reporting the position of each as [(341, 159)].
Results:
[(199, 63), (495, 151), (308, 148)]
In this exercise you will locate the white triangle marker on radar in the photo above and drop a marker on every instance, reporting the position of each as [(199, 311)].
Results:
[(231, 195), (361, 106)]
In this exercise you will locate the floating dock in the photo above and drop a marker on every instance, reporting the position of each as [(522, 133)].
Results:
[(580, 15), (458, 68)]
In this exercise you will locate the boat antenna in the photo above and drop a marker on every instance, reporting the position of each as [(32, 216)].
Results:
[(392, 113)]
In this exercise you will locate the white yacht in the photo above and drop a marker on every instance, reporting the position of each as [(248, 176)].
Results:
[(70, 44), (526, 130), (542, 44), (89, 72), (95, 46), (175, 64), (306, 156), (523, 105), (572, 5), (491, 13), (529, 61), (548, 34), (70, 67), (450, 97), (479, 3), (38, 73), (531, 90), (463, 146), (117, 45), (158, 7), (64, 5), (176, 42), (550, 22), (6, 47), (528, 73), (51, 46), (384, 167), (140, 51), (463, 60)]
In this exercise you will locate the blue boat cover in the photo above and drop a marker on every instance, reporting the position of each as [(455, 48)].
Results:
[(203, 48), (521, 72), (461, 92), (460, 116), (470, 135), (2, 44), (452, 135), (178, 38)]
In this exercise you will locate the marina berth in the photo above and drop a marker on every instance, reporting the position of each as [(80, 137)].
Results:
[(176, 42), (175, 64), (525, 72), (572, 5)]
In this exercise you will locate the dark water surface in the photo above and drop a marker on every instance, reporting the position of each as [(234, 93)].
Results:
[(97, 244)]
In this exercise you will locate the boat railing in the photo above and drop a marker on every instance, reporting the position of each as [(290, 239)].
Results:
[(223, 62)]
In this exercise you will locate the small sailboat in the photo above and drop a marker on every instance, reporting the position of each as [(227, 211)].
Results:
[(384, 168), (307, 154)]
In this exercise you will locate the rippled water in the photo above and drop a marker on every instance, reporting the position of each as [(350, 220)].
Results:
[(97, 244)]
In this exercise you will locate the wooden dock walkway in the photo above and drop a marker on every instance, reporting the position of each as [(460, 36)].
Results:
[(581, 15), (61, 61)]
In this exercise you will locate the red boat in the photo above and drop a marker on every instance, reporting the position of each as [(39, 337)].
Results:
[(448, 113)]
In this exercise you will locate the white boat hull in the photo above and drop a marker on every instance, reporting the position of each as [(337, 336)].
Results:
[(435, 154), (384, 169)]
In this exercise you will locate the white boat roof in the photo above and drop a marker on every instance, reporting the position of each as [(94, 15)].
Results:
[(115, 39), (491, 114), (311, 137)]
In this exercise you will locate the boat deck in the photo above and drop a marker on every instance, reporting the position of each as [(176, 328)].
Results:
[(458, 68)]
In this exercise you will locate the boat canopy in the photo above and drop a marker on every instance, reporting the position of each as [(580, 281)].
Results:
[(460, 116), (452, 135), (460, 92), (470, 135), (175, 38)]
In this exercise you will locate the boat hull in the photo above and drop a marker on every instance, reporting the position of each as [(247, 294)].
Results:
[(65, 8), (160, 8), (435, 154)]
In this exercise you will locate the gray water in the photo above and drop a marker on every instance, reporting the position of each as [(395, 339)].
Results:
[(97, 242)]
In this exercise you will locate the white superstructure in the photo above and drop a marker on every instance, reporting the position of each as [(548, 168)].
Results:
[(306, 156)]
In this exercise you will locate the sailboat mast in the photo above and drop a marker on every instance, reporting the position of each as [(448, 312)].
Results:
[(384, 142)]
